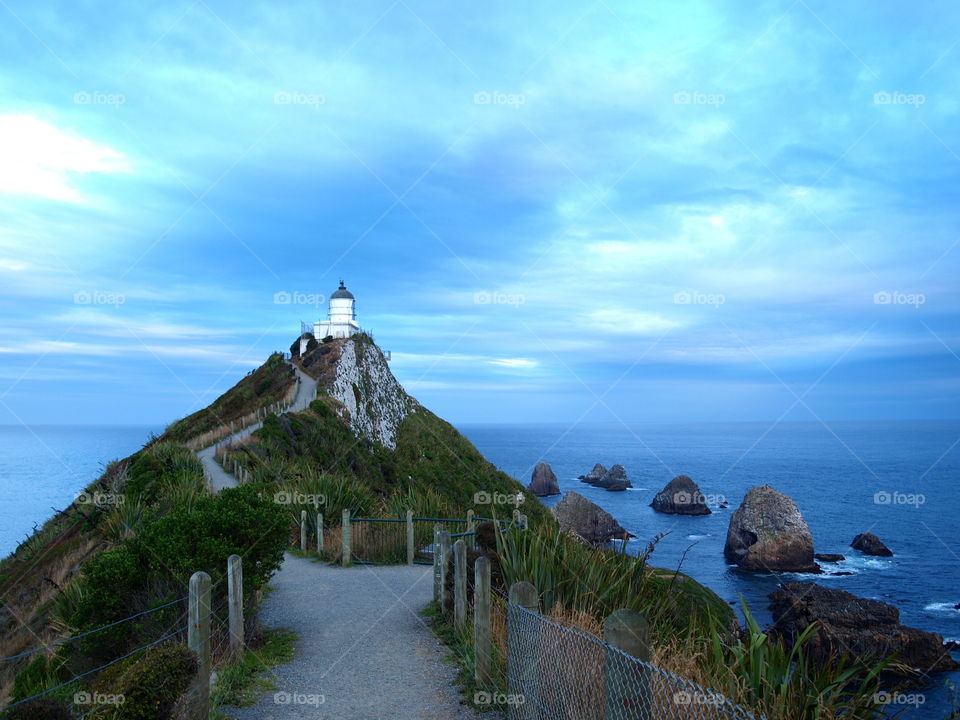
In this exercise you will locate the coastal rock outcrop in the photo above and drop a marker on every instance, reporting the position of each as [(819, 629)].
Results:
[(543, 481), (614, 479), (584, 519), (767, 533), (595, 475), (828, 557), (869, 544), (854, 625), (681, 496)]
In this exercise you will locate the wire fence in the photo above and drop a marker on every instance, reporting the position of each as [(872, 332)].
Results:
[(536, 667), (203, 624)]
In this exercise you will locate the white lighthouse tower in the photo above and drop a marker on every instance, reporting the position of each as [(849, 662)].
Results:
[(341, 319)]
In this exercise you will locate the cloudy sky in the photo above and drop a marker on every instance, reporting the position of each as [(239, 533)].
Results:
[(547, 211)]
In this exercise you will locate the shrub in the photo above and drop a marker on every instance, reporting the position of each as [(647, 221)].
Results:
[(45, 708), (312, 343), (150, 683)]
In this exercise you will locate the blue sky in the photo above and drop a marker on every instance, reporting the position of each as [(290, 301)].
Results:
[(547, 211)]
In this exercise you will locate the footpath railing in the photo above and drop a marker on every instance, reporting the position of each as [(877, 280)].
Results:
[(536, 667), (212, 437), (389, 541), (214, 639)]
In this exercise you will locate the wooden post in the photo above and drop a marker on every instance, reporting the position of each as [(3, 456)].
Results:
[(345, 537), (303, 531), (627, 683), (523, 522), (198, 636), (235, 604), (516, 517), (472, 527), (444, 562), (410, 547), (436, 563), (460, 584), (319, 533), (482, 627), (523, 652)]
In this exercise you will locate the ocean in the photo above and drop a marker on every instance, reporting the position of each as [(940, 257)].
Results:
[(898, 480), (44, 467)]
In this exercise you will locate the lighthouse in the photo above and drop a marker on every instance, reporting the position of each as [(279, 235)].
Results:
[(341, 319)]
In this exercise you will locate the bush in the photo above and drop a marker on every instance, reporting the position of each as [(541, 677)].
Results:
[(311, 344), (150, 683), (45, 708)]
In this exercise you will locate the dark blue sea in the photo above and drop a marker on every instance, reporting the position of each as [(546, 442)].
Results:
[(43, 467), (898, 480)]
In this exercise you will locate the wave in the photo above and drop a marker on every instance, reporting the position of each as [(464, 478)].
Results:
[(942, 607), (698, 537)]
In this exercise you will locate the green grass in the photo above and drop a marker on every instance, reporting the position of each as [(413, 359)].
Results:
[(242, 683)]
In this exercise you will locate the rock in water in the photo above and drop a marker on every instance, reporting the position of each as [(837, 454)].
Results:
[(854, 625), (543, 481), (767, 532), (595, 475), (828, 557), (869, 544), (614, 479), (681, 496), (582, 518)]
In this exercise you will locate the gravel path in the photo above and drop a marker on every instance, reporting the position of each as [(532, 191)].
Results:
[(363, 652), (216, 475)]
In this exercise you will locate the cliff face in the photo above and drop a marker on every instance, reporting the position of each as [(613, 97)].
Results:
[(363, 384)]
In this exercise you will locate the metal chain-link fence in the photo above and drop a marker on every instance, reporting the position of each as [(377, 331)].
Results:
[(559, 671)]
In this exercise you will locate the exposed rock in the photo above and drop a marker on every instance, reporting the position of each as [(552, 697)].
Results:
[(840, 572), (681, 496), (543, 481), (957, 606), (855, 626), (828, 557), (375, 402), (582, 518), (595, 475), (869, 544), (614, 479), (768, 533)]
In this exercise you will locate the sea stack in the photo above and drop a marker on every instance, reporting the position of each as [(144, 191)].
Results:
[(543, 482), (595, 475), (869, 544), (681, 496), (767, 533), (615, 479), (586, 520), (857, 626)]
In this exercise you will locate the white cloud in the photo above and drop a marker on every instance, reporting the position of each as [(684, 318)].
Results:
[(42, 160)]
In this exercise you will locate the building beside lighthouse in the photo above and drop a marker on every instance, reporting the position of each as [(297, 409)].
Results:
[(341, 319)]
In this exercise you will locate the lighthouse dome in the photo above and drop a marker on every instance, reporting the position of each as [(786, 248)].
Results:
[(341, 293)]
